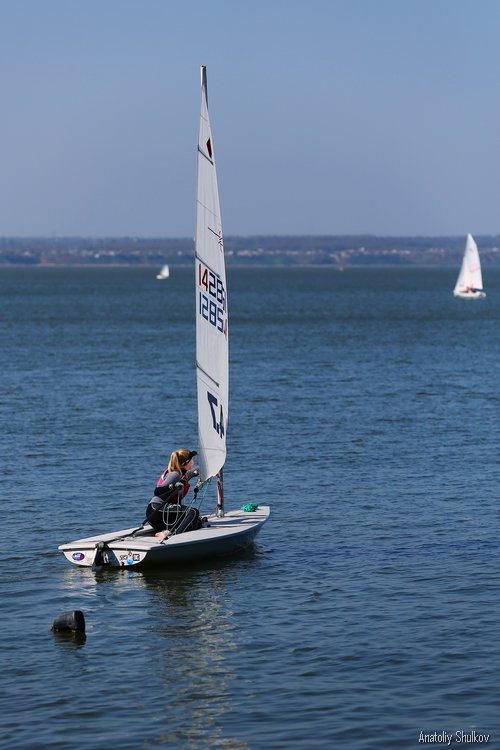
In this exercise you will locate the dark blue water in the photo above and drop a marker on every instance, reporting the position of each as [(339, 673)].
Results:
[(364, 409)]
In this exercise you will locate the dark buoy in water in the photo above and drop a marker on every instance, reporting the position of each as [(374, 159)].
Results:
[(73, 621)]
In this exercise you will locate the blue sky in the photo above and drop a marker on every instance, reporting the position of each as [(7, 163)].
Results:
[(329, 117)]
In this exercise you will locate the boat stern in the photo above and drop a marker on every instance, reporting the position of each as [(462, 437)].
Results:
[(96, 555)]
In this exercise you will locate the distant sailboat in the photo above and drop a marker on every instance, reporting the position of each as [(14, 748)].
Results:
[(164, 273), (470, 281)]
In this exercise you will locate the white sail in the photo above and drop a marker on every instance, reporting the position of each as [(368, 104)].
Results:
[(211, 306), (164, 273), (470, 280)]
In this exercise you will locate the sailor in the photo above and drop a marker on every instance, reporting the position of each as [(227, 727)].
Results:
[(165, 511)]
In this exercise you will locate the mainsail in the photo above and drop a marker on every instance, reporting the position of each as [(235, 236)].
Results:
[(470, 277), (212, 363), (164, 273)]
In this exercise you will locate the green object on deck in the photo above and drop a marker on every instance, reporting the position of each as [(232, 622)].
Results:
[(250, 507)]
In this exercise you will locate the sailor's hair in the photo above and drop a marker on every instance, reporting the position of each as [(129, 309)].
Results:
[(180, 458)]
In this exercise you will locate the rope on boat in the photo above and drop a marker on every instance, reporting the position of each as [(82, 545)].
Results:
[(172, 511), (203, 487)]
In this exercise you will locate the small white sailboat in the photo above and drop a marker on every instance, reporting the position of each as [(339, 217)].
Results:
[(164, 273), (223, 532), (470, 280)]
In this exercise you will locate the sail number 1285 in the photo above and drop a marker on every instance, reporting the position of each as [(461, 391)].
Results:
[(212, 298)]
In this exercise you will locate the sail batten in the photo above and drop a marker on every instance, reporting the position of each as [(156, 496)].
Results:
[(213, 270), (212, 363), (216, 384), (207, 156)]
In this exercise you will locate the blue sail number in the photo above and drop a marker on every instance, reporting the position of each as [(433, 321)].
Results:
[(212, 298)]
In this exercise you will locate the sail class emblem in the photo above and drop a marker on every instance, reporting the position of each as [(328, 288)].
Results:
[(217, 234)]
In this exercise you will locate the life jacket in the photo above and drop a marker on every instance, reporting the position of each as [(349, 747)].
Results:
[(171, 487), (168, 476)]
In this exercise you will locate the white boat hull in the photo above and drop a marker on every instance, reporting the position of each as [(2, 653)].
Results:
[(220, 537), (470, 295)]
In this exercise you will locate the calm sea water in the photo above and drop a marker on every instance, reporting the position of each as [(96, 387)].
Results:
[(364, 409)]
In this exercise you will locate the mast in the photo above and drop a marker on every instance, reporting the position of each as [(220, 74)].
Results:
[(212, 359)]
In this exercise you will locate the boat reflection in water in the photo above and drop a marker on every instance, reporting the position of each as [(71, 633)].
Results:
[(175, 632)]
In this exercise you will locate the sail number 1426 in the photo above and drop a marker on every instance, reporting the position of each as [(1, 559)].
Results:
[(212, 298)]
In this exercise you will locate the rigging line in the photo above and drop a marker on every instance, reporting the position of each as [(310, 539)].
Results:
[(201, 490), (203, 486)]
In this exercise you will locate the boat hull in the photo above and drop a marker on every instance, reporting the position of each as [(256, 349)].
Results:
[(119, 549), (476, 294)]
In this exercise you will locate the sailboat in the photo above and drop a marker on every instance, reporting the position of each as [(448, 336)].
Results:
[(470, 281), (222, 532), (164, 273)]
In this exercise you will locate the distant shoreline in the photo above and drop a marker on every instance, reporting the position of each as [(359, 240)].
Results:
[(342, 251), (243, 266)]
